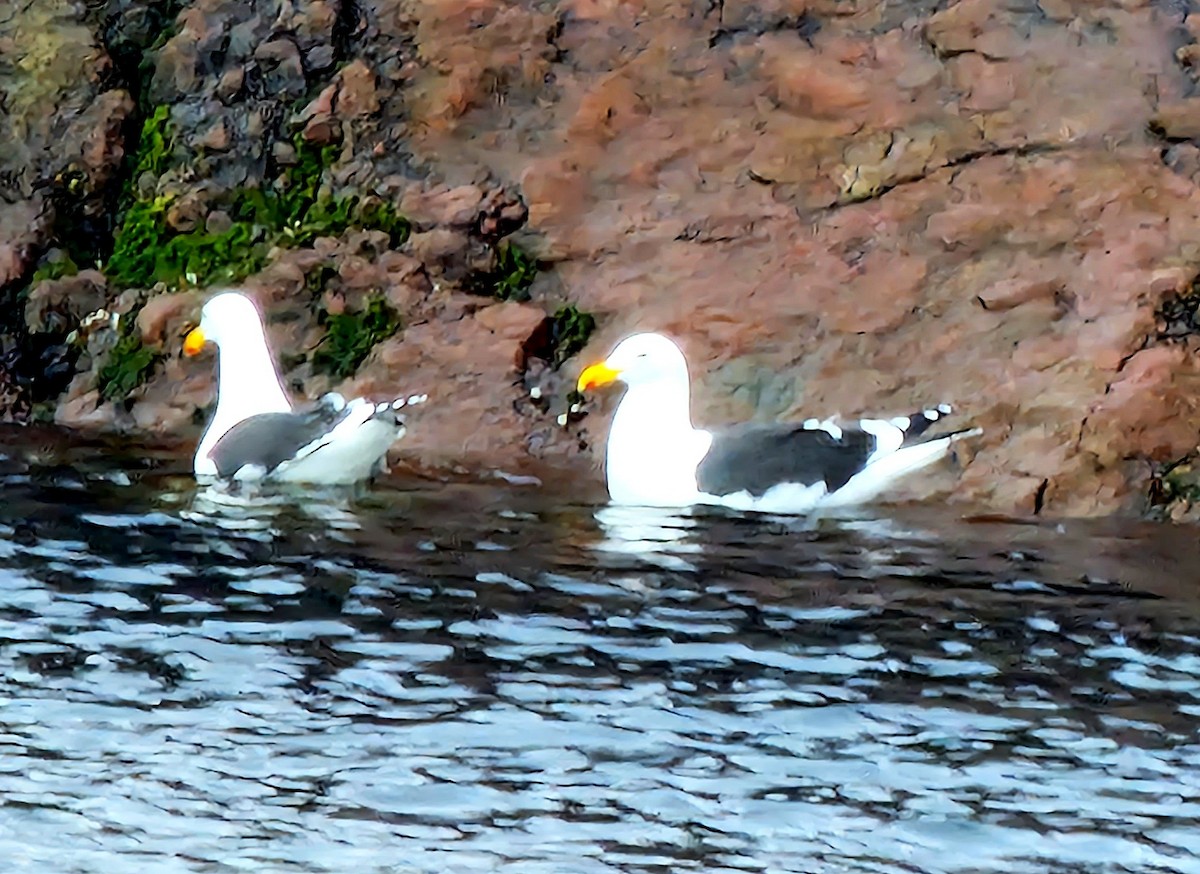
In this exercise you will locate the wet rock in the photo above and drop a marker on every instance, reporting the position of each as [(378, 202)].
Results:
[(85, 411), (457, 207), (281, 68), (836, 213), (164, 318), (471, 368), (1179, 120), (230, 84), (450, 255), (61, 305), (23, 227), (61, 148), (357, 96), (216, 138)]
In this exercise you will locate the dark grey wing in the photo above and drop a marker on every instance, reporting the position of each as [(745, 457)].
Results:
[(753, 458), (269, 439)]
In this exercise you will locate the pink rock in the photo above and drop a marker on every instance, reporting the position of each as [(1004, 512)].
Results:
[(165, 317), (889, 209), (356, 95)]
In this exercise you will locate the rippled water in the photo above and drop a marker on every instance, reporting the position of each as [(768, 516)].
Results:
[(455, 677)]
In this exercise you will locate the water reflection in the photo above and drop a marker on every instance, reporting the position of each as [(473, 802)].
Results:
[(453, 677)]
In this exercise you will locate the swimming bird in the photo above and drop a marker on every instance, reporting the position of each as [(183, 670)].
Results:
[(255, 434), (656, 457)]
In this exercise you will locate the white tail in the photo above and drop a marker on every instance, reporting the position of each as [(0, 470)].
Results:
[(881, 473)]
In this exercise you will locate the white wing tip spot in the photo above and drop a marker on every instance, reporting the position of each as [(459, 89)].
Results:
[(904, 422), (334, 401), (828, 426), (411, 400)]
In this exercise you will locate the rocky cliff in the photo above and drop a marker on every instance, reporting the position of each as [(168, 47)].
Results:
[(839, 206)]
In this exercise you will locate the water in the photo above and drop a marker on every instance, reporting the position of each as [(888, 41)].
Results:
[(486, 677)]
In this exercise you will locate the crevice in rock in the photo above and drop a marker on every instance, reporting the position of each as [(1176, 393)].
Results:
[(132, 33), (957, 164), (552, 38), (804, 24), (345, 26), (1039, 499), (1023, 150)]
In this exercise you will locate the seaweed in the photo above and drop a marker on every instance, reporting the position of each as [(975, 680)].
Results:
[(155, 145), (202, 257), (317, 280), (299, 208), (350, 336), (293, 212), (55, 268), (129, 362), (142, 230), (570, 329), (514, 273)]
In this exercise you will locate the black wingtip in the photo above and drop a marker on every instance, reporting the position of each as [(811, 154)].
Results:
[(920, 422)]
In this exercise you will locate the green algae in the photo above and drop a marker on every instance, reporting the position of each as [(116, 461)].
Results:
[(318, 279), (292, 212), (350, 337), (129, 362), (570, 329), (514, 274), (156, 145), (55, 268), (143, 231)]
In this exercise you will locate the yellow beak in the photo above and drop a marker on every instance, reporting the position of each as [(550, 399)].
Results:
[(193, 342), (596, 375)]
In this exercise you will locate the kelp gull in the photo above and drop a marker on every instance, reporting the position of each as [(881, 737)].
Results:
[(655, 457), (256, 435)]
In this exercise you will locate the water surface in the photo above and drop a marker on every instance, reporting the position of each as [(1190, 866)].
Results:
[(430, 677)]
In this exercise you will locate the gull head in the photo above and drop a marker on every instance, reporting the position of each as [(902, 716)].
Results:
[(641, 359), (226, 317)]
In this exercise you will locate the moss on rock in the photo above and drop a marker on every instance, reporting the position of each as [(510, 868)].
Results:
[(128, 364), (570, 329), (514, 274), (292, 212), (350, 337), (54, 268)]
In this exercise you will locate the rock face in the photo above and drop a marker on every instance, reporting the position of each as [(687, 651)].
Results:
[(837, 207)]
